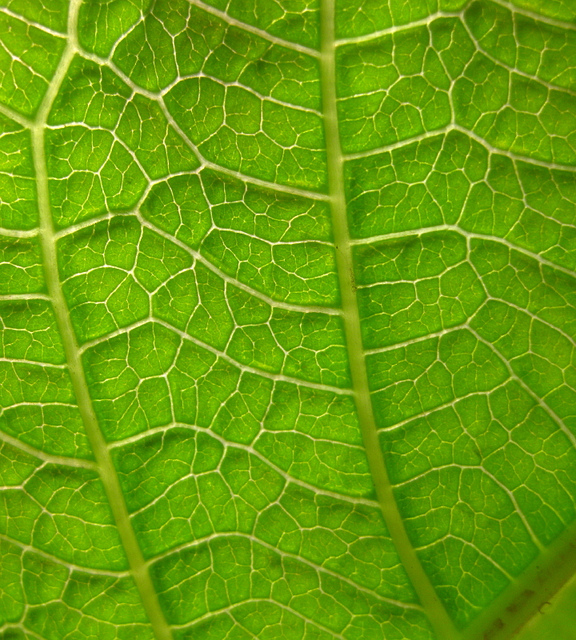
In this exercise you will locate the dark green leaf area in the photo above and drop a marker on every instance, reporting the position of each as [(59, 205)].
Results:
[(115, 271), (396, 87), (527, 205), (512, 111), (265, 213), (296, 21), (547, 367), (499, 469), (95, 95), (239, 130), (489, 457), (392, 89), (133, 395), (192, 502), (54, 600), (178, 206), (543, 357), (32, 383), (350, 540), (432, 372), (124, 403), (467, 514), (560, 9), (189, 40), (519, 279), (151, 66), (318, 413), (29, 57), (200, 382), (208, 318), (101, 24), (157, 145), (417, 258), (152, 385), (55, 429), (50, 13), (277, 584), (429, 287), (17, 189), (500, 433), (271, 242), (321, 447), (400, 190), (546, 225), (513, 48), (451, 38), (50, 512), (91, 173), (16, 465), (309, 346), (99, 265), (371, 17), (312, 461), (240, 416), (299, 273), (35, 391), (90, 93), (20, 266), (248, 622)]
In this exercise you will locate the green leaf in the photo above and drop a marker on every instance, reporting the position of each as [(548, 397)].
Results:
[(287, 318)]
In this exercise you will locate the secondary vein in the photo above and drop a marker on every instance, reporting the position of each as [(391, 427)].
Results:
[(108, 474), (434, 609)]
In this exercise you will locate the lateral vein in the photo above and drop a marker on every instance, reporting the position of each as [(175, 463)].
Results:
[(108, 474), (434, 609)]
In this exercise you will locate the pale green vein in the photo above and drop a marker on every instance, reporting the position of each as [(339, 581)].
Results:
[(288, 44), (43, 457), (238, 535), (228, 609), (63, 563), (515, 157), (104, 463), (540, 17), (512, 246), (18, 233), (10, 297), (437, 615), (281, 304), (250, 450), (15, 116), (246, 87), (30, 22), (514, 376), (399, 28), (276, 377), (273, 186)]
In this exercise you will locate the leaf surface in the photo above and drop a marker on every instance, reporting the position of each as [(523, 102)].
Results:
[(287, 318)]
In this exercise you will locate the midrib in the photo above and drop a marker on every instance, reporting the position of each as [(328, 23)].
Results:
[(434, 609), (138, 568)]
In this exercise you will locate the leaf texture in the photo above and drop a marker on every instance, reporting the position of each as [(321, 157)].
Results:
[(287, 317)]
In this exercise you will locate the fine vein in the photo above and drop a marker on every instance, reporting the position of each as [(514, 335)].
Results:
[(106, 468), (437, 615)]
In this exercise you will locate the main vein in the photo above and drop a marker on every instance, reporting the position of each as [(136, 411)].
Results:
[(437, 615), (106, 468)]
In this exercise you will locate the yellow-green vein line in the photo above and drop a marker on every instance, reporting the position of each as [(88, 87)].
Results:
[(439, 619), (138, 567)]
